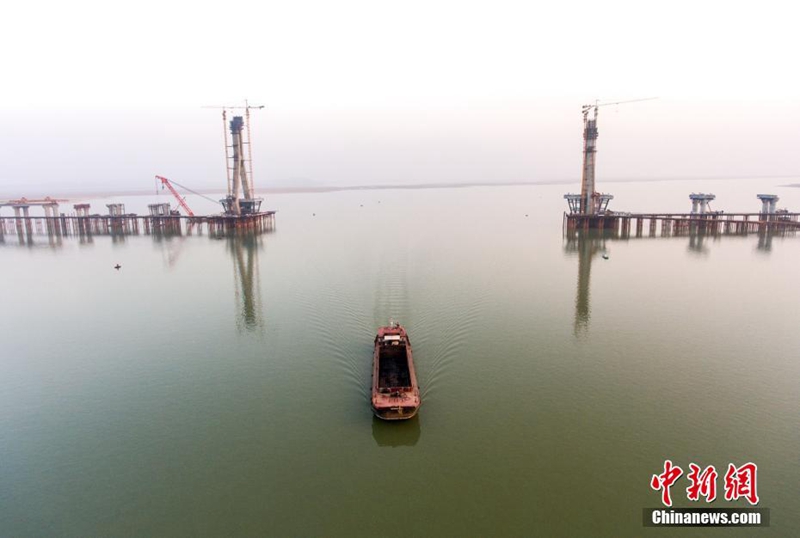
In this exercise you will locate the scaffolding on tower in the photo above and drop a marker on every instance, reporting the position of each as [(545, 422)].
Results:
[(241, 198), (589, 201)]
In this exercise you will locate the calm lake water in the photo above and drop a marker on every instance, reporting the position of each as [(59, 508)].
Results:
[(220, 387)]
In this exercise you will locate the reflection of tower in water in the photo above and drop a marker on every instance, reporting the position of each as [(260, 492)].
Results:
[(244, 251), (585, 245)]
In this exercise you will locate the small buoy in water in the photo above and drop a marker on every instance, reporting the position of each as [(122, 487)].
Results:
[(526, 214), (362, 205), (313, 214), (117, 267), (605, 256)]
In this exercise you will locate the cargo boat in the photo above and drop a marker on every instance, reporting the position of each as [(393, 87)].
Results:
[(395, 394)]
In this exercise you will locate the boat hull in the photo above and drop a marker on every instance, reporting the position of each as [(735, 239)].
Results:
[(395, 413), (395, 393)]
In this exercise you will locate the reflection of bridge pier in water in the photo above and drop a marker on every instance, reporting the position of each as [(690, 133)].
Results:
[(697, 239), (698, 232), (244, 249), (765, 241), (586, 245)]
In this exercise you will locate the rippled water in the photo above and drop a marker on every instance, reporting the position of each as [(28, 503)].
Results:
[(220, 387)]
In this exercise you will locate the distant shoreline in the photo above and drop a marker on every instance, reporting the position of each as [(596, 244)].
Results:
[(415, 186)]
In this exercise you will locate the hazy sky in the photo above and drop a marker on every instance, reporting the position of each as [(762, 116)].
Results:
[(103, 95)]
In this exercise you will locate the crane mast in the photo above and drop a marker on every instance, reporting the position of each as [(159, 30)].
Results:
[(178, 197)]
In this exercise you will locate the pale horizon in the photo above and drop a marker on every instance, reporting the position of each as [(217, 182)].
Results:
[(365, 94)]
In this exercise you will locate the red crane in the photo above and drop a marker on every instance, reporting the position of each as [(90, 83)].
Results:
[(181, 200)]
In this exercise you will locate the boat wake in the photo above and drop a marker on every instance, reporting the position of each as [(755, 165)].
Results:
[(446, 337), (335, 317)]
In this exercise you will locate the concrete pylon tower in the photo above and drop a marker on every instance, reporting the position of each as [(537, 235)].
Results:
[(241, 198), (589, 152), (589, 201), (239, 169)]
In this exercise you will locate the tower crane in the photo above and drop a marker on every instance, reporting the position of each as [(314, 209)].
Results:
[(597, 104), (591, 202)]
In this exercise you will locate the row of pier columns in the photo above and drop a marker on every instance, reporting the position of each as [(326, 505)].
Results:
[(123, 225), (682, 224)]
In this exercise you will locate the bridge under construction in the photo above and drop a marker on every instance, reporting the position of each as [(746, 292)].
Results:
[(589, 209), (671, 224), (241, 207), (161, 221)]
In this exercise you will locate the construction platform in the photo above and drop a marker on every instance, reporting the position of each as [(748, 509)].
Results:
[(132, 224), (672, 224)]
